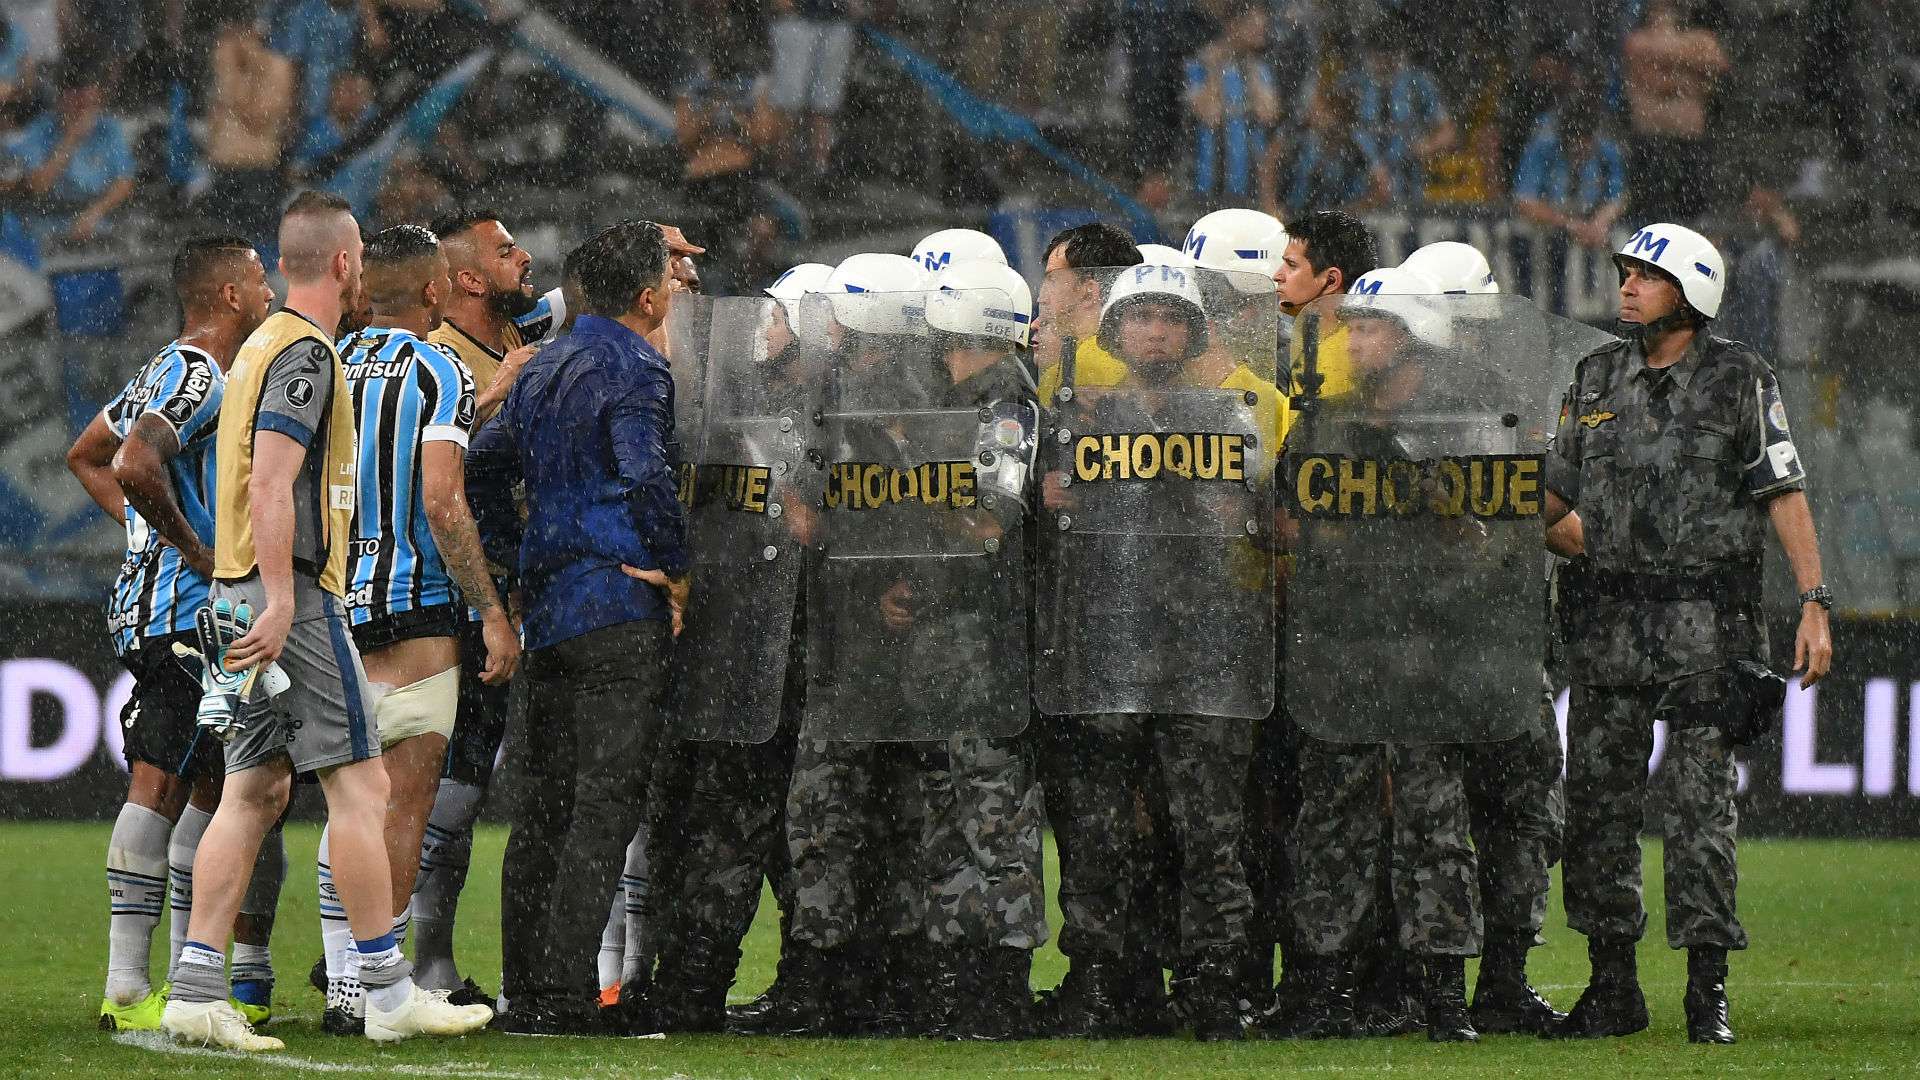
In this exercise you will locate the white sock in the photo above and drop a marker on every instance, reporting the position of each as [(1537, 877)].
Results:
[(400, 924), (376, 971), (634, 887), (336, 937), (136, 893), (613, 942)]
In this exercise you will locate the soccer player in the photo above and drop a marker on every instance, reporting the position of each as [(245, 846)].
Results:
[(147, 459), (490, 319), (414, 565), (283, 508)]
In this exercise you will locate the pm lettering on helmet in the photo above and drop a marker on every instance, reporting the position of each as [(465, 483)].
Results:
[(1195, 244), (1646, 242), (1366, 286), (1168, 274)]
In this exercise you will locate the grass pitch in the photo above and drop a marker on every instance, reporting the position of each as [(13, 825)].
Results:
[(1831, 988)]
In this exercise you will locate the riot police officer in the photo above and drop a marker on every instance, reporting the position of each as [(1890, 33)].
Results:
[(1674, 451)]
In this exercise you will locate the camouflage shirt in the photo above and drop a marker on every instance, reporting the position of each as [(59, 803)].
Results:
[(1671, 470)]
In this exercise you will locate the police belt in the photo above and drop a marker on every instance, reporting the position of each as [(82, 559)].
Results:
[(1725, 584)]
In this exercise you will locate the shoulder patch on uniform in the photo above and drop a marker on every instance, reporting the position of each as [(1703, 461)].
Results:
[(300, 392), (1777, 416)]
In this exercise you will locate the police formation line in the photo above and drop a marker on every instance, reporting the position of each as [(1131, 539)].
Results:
[(1223, 564)]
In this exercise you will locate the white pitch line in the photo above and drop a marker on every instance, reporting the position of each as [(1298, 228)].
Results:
[(156, 1041)]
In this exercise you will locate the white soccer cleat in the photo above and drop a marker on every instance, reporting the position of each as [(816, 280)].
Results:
[(214, 1023), (426, 1012)]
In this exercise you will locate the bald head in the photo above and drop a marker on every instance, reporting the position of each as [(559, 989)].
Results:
[(316, 230)]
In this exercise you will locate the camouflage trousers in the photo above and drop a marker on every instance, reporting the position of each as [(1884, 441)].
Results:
[(1609, 741), (732, 836), (933, 840), (1202, 762), (1434, 874), (1517, 803)]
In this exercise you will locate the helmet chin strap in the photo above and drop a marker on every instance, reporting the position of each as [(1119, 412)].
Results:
[(1678, 319)]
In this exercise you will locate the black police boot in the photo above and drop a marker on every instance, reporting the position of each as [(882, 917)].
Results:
[(1087, 1004), (1213, 995), (804, 1005), (1504, 1003), (997, 1000), (1443, 993), (1149, 1011), (946, 990), (1326, 1001), (741, 1016), (890, 987), (689, 993), (1612, 1003), (1706, 998), (1256, 978), (1387, 1001)]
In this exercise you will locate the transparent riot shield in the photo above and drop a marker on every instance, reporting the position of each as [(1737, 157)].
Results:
[(1414, 608), (1155, 558), (917, 582), (748, 522)]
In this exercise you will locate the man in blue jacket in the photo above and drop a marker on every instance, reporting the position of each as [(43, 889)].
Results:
[(587, 431)]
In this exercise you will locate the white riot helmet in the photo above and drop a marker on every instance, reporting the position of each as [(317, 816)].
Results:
[(1405, 297), (981, 298), (950, 246), (789, 287), (1148, 283), (1162, 255), (1455, 267), (1685, 256), (1241, 242), (901, 306)]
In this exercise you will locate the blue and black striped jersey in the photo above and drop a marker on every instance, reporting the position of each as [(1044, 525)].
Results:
[(406, 393), (156, 592)]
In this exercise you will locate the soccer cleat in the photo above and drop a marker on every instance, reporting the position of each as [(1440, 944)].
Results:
[(216, 1024), (470, 993), (257, 1015), (346, 1011), (425, 1012), (142, 1015)]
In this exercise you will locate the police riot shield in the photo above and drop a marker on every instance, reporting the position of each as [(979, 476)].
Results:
[(917, 582), (1414, 607), (748, 520), (688, 333), (1155, 557)]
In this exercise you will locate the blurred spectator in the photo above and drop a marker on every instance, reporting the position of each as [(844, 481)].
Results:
[(1008, 50), (349, 105), (250, 121), (722, 121), (74, 162), (1572, 177), (1398, 114), (1230, 96), (18, 72), (1156, 37), (1331, 168), (1757, 276), (812, 47), (1549, 80), (322, 37), (1670, 71)]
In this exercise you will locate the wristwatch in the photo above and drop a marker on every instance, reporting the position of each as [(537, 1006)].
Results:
[(1819, 594)]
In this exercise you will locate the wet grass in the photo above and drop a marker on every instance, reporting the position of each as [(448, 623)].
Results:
[(1831, 988)]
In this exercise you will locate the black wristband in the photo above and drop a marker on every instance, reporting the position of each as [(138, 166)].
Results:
[(1819, 594)]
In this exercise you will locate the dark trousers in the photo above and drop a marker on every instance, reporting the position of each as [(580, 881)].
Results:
[(594, 717)]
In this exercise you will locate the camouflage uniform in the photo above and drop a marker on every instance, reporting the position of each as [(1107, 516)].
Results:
[(854, 824), (1517, 804), (1670, 471), (1203, 762), (1434, 872)]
